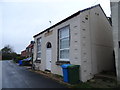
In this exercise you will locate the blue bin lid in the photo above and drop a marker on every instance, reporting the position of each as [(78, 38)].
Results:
[(65, 65), (27, 59), (20, 62)]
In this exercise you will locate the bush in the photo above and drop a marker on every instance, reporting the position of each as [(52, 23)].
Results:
[(6, 57), (16, 60)]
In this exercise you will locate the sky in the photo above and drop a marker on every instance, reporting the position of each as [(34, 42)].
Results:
[(20, 20)]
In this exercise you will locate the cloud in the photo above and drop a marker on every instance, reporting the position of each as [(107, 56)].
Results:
[(48, 1)]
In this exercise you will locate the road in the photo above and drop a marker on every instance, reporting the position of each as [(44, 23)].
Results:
[(14, 76)]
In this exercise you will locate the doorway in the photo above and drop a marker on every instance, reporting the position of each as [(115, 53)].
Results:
[(48, 56)]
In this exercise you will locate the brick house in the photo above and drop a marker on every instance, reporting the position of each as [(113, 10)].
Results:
[(23, 53), (28, 52)]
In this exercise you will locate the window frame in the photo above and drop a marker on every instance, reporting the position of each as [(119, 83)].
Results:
[(59, 39), (39, 45)]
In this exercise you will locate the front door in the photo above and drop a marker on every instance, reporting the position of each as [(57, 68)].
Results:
[(48, 56)]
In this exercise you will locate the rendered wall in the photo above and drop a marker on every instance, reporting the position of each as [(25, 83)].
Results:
[(101, 41), (96, 43), (85, 44), (115, 12), (75, 56)]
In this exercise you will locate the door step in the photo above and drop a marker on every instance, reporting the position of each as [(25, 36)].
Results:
[(48, 71)]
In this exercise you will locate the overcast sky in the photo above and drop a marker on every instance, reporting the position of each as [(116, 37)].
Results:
[(20, 20)]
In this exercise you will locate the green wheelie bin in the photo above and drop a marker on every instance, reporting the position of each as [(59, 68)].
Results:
[(73, 71)]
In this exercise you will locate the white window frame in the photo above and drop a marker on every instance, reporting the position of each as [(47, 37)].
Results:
[(39, 45), (29, 49), (68, 36)]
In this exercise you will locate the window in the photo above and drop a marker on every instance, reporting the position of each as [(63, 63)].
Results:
[(49, 45), (29, 49), (39, 48), (32, 50), (64, 43)]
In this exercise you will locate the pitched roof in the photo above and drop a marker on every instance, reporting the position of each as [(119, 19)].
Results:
[(30, 46), (73, 15)]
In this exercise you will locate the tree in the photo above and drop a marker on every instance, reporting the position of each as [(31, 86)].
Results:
[(7, 49), (8, 53)]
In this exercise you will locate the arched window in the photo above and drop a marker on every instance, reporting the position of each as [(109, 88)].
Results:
[(49, 45)]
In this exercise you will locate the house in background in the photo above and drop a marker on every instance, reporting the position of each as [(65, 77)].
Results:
[(84, 38), (23, 53), (29, 50), (115, 10)]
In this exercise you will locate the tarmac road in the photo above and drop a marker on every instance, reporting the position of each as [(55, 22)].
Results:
[(14, 76)]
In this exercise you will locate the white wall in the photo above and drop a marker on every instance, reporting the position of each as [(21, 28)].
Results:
[(96, 43), (115, 9), (74, 44), (85, 45), (101, 41), (75, 55)]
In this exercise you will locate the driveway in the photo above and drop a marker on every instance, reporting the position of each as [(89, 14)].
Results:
[(14, 76)]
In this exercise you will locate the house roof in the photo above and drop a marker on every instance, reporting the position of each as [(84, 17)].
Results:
[(30, 46), (73, 15), (23, 51)]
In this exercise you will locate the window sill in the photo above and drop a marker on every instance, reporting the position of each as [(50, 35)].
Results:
[(37, 61), (62, 62)]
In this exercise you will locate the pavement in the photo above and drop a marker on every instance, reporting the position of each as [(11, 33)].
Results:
[(14, 76)]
